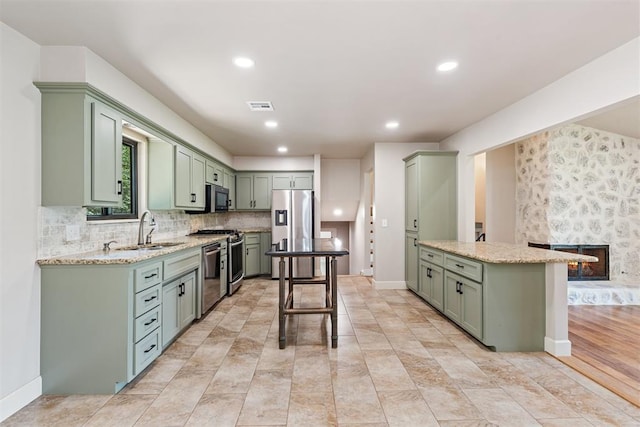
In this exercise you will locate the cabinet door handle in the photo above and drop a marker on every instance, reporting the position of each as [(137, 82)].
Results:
[(415, 223), (294, 184), (461, 284), (119, 187), (150, 299), (215, 177), (460, 266), (222, 265), (150, 322), (150, 348), (229, 202), (415, 242), (150, 276)]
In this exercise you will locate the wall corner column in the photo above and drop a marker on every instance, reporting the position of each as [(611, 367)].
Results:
[(556, 340)]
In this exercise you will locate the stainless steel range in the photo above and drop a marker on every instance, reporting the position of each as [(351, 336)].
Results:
[(235, 252)]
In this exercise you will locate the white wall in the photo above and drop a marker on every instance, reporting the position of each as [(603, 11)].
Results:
[(79, 64), (359, 254), (389, 205), (19, 276), (480, 182), (249, 163), (340, 189), (500, 182), (613, 78)]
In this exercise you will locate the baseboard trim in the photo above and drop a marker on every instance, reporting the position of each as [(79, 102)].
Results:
[(20, 398), (557, 347), (390, 284)]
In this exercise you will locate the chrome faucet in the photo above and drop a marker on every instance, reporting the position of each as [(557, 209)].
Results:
[(152, 223)]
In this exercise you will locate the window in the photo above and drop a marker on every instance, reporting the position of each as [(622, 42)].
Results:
[(129, 209)]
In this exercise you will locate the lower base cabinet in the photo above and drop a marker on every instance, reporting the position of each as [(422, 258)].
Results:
[(463, 303), (102, 325), (255, 260), (178, 306), (502, 305)]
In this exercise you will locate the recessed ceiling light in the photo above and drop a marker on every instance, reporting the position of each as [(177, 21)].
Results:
[(243, 62), (282, 149), (392, 124), (271, 124), (448, 66), (337, 212)]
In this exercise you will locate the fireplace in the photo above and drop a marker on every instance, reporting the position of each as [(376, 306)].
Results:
[(583, 270)]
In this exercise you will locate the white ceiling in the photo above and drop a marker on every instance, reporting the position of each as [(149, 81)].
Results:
[(335, 71)]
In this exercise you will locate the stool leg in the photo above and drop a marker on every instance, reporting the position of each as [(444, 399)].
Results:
[(334, 299), (281, 328)]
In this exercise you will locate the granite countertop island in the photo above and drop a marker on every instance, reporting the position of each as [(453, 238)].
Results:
[(130, 254), (505, 253)]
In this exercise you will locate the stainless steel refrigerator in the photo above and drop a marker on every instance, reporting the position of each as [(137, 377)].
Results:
[(292, 214)]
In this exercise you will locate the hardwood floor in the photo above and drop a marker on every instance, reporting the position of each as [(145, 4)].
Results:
[(606, 346)]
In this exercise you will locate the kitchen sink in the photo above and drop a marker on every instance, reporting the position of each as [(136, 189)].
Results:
[(150, 247)]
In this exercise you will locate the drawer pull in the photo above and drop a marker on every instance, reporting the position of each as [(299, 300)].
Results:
[(152, 321), (459, 265), (150, 276), (430, 255), (150, 348), (150, 299)]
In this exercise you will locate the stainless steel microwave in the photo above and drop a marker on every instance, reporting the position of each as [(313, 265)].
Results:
[(216, 200)]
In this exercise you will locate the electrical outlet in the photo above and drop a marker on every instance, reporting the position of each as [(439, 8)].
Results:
[(73, 232), (385, 223)]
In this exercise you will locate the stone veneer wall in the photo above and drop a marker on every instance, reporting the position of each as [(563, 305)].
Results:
[(170, 224), (579, 185)]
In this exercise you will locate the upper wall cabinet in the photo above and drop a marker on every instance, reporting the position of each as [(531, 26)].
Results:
[(176, 177), (253, 191), (293, 181), (81, 148), (215, 173)]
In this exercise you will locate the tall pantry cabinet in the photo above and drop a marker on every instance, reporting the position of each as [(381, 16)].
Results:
[(430, 204)]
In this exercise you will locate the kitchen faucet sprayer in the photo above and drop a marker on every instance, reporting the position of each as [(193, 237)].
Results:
[(152, 223)]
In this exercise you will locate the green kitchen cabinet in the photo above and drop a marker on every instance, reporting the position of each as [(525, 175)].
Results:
[(430, 203), (501, 304), (253, 191), (189, 179), (214, 173), (230, 184), (176, 177), (265, 260), (81, 147), (178, 307), (252, 254), (293, 180), (411, 261), (100, 325), (463, 303)]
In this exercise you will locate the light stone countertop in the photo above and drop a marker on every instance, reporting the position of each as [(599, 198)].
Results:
[(505, 253), (128, 255), (255, 230)]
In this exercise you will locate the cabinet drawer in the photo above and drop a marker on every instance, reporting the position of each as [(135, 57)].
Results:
[(148, 276), (432, 255), (146, 351), (181, 264), (252, 239), (147, 299), (464, 267), (147, 323)]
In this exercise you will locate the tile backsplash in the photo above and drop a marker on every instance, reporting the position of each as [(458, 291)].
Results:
[(65, 230)]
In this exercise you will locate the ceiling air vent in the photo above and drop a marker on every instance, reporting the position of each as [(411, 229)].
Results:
[(260, 105)]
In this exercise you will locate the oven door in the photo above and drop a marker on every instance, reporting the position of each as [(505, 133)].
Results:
[(236, 268), (211, 277)]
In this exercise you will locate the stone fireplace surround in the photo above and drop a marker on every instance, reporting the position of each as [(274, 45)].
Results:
[(578, 185)]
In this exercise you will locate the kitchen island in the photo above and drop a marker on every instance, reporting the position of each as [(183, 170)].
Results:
[(510, 297), (286, 250)]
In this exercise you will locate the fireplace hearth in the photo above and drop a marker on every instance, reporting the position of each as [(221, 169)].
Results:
[(583, 270)]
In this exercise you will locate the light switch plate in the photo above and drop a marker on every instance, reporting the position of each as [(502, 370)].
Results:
[(385, 223), (73, 232)]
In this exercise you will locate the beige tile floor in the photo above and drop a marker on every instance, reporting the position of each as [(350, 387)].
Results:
[(398, 363)]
